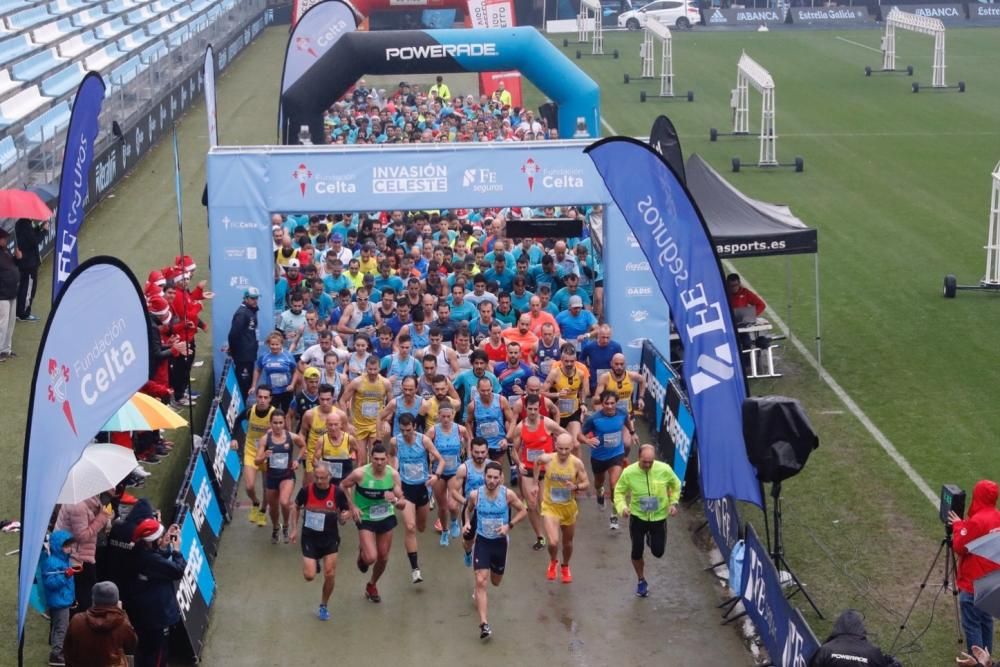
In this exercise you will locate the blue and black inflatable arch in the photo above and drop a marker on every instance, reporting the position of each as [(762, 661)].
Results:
[(404, 52)]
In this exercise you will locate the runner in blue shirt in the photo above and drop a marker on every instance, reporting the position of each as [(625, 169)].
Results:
[(465, 382), (461, 309), (604, 431), (575, 322), (597, 354), (513, 373), (277, 369)]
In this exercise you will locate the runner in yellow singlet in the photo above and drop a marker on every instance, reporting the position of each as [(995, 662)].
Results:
[(258, 422), (564, 477), (313, 426), (567, 386), (443, 391), (337, 448), (364, 398), (624, 384)]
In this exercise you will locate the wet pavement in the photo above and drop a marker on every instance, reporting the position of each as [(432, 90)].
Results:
[(264, 613)]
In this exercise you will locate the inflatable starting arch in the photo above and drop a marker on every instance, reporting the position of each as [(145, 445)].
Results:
[(403, 52)]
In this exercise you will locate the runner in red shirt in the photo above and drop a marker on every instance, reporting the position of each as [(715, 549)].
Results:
[(531, 438)]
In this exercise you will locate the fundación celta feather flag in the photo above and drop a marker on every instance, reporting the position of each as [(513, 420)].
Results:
[(673, 236), (94, 355), (74, 179)]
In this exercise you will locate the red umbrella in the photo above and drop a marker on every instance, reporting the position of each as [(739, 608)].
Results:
[(23, 204)]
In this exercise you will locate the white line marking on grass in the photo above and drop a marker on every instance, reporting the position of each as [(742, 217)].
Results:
[(891, 134), (863, 46), (849, 403), (844, 397)]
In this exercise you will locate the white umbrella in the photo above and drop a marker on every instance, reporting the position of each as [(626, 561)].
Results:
[(100, 469)]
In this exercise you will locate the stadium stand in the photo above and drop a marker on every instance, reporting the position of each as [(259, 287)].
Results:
[(140, 47)]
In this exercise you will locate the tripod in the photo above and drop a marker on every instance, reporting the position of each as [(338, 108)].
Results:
[(778, 552), (948, 583)]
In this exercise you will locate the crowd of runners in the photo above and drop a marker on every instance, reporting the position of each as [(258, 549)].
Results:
[(414, 378)]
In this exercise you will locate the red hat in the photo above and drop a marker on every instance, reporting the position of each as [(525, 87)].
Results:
[(153, 289), (158, 305), (148, 530), (185, 263), (157, 278), (172, 273)]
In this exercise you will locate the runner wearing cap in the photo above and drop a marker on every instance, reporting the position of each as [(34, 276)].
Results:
[(576, 323), (243, 345), (304, 400)]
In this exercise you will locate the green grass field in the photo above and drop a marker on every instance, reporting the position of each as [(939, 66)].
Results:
[(898, 186)]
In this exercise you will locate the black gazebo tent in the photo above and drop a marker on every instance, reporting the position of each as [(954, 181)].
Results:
[(745, 227)]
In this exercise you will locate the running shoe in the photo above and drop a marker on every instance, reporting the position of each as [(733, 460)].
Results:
[(30, 318), (539, 543), (642, 589), (456, 530), (261, 519), (371, 592), (600, 499), (550, 573), (252, 517), (468, 559), (437, 525), (57, 660), (566, 575), (323, 613), (485, 631), (415, 575), (362, 565), (613, 522), (284, 534), (445, 541), (274, 536)]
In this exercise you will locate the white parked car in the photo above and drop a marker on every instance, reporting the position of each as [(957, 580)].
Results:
[(680, 14)]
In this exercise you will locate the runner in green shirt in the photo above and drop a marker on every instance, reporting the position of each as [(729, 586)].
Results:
[(646, 492), (376, 492)]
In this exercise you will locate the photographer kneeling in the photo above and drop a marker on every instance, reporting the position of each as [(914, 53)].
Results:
[(983, 518), (848, 646)]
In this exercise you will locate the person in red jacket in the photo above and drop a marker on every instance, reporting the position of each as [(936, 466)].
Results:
[(983, 518), (741, 297)]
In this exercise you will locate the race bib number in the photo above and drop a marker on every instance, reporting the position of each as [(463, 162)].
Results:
[(546, 366), (612, 440), (336, 468), (380, 511), (369, 409), (279, 380), (567, 406), (279, 461), (315, 520), (450, 461), (489, 430), (413, 471), (560, 494), (534, 454), (491, 526), (623, 403), (649, 503)]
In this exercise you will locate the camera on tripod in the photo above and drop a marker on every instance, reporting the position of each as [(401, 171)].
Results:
[(952, 500)]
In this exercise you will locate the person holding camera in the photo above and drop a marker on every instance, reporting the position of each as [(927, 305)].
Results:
[(159, 564), (982, 518), (848, 645)]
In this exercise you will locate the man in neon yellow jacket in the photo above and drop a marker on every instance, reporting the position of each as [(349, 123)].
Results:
[(646, 492)]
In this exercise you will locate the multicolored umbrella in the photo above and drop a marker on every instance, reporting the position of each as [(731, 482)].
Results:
[(23, 204), (144, 413)]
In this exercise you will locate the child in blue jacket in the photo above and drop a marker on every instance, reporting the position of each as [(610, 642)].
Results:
[(57, 577)]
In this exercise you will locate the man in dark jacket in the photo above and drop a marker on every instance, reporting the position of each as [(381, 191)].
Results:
[(28, 236), (101, 636), (117, 563), (10, 278), (848, 646), (159, 564), (243, 344), (983, 518)]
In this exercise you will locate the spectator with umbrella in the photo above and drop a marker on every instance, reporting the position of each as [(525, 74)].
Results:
[(28, 238)]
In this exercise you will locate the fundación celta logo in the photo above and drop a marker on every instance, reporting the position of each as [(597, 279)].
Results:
[(302, 176), (58, 381), (530, 169), (305, 44)]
